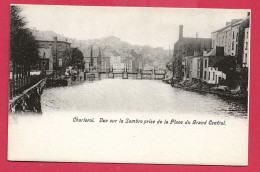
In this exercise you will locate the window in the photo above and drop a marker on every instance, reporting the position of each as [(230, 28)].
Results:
[(245, 58), (246, 45), (237, 37), (247, 35), (213, 75), (206, 63), (209, 76), (60, 62), (233, 35), (232, 45), (205, 74)]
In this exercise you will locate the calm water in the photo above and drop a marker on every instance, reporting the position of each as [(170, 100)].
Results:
[(117, 95)]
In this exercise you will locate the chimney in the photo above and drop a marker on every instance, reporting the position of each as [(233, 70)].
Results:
[(180, 31), (56, 51), (99, 51), (91, 51), (197, 35), (91, 56)]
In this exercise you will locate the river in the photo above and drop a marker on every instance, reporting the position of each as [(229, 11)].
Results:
[(57, 136), (118, 95)]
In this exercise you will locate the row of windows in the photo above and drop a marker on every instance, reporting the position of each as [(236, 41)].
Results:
[(205, 75)]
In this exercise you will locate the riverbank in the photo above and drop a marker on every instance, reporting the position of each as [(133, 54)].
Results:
[(65, 81), (29, 101), (203, 87)]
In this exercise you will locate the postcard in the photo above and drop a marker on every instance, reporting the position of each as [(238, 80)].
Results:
[(129, 85)]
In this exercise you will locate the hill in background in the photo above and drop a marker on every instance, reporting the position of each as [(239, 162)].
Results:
[(157, 57)]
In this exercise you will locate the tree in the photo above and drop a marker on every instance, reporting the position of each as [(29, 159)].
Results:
[(77, 58), (23, 46)]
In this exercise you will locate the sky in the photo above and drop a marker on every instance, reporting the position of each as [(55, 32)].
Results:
[(156, 27)]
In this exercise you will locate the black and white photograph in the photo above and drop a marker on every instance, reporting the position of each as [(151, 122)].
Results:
[(129, 84)]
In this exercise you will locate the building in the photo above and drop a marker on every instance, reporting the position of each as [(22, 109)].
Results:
[(196, 69), (185, 47), (105, 63), (235, 39), (115, 59), (193, 68), (137, 63), (128, 65), (87, 64), (227, 37), (211, 73), (92, 57), (187, 67), (116, 63), (59, 45), (46, 60), (232, 38), (246, 54)]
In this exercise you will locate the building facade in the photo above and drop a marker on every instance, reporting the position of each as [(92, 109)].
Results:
[(92, 57), (211, 60), (59, 45), (185, 47), (211, 74), (233, 38), (46, 60), (246, 54)]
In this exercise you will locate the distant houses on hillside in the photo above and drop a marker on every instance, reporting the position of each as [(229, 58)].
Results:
[(107, 59)]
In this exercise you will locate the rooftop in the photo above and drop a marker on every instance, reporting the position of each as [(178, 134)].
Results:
[(48, 36), (230, 24)]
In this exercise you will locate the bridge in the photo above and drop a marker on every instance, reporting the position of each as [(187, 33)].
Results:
[(124, 74)]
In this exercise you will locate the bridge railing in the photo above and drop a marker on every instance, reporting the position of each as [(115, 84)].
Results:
[(18, 84), (29, 99)]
